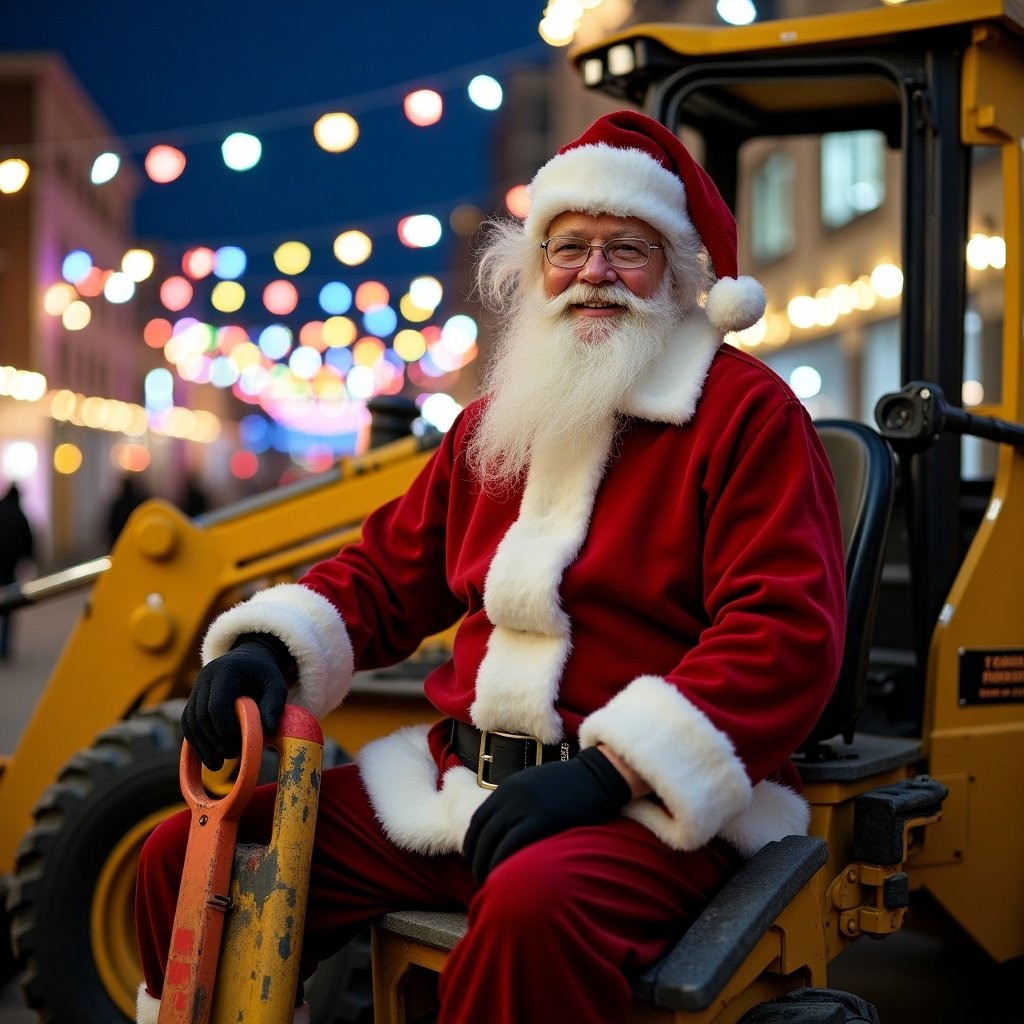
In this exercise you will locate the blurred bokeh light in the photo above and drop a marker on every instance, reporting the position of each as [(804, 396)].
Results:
[(336, 132), (164, 164)]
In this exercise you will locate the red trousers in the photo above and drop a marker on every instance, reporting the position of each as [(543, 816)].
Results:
[(555, 931)]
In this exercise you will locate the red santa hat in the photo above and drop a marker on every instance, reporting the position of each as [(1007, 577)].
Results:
[(630, 165)]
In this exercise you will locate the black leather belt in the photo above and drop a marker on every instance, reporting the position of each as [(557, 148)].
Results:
[(494, 756)]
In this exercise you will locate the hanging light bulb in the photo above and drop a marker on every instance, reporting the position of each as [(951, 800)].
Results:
[(13, 175), (292, 257), (352, 248), (104, 167), (517, 201), (241, 151), (420, 231), (336, 132), (138, 264), (423, 107), (736, 12), (164, 164), (485, 92)]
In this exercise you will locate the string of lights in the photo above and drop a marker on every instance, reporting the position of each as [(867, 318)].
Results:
[(226, 326)]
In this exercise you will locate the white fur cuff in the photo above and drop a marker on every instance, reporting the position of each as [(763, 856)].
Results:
[(688, 761), (311, 629)]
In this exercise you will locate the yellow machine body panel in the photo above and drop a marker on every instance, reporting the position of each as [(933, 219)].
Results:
[(832, 31), (974, 725)]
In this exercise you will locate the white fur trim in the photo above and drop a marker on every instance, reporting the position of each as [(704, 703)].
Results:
[(517, 682), (400, 778), (775, 811), (521, 589), (669, 391), (690, 763), (311, 629), (606, 179), (735, 303), (147, 1009)]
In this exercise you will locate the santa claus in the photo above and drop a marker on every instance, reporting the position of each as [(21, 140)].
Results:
[(636, 529)]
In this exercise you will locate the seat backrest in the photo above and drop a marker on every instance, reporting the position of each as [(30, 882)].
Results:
[(863, 467)]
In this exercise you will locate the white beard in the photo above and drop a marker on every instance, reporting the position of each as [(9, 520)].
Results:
[(555, 378)]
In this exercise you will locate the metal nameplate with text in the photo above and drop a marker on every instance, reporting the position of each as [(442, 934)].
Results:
[(992, 676)]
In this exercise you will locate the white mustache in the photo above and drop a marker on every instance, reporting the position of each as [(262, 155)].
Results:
[(582, 294)]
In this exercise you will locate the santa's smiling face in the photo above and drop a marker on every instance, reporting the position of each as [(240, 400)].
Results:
[(590, 289), (571, 345)]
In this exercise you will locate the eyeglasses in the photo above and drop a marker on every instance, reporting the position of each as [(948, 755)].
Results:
[(621, 253)]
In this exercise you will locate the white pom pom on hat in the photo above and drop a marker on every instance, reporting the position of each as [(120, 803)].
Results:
[(628, 164), (735, 303)]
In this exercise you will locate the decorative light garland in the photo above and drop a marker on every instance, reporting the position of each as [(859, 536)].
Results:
[(316, 361), (333, 125)]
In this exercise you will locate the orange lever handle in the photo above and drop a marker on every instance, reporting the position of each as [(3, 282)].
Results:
[(203, 898)]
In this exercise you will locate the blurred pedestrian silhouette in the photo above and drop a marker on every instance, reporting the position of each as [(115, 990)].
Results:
[(16, 545), (194, 501), (127, 499)]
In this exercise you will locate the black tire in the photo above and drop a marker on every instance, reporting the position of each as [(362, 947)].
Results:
[(814, 1006), (8, 964), (75, 870)]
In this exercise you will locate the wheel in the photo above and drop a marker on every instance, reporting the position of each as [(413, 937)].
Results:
[(814, 1006), (72, 892)]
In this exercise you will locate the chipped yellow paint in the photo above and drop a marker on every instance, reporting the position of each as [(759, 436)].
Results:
[(259, 964)]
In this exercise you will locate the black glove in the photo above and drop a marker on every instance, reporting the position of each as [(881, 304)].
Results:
[(254, 667), (537, 802)]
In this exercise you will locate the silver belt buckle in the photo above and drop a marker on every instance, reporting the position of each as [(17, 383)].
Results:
[(485, 757)]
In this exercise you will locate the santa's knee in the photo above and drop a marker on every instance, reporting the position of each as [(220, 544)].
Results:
[(528, 887)]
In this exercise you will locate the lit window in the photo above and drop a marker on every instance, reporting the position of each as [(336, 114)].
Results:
[(852, 175), (771, 224)]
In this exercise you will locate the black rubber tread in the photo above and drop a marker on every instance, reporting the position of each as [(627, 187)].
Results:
[(8, 965), (814, 1006)]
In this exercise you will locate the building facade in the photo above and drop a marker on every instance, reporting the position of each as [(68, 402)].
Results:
[(72, 417)]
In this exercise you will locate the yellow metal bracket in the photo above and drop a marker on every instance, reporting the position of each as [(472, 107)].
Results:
[(991, 111), (871, 899), (857, 895)]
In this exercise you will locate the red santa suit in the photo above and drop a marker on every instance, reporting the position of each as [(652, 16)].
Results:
[(674, 590)]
